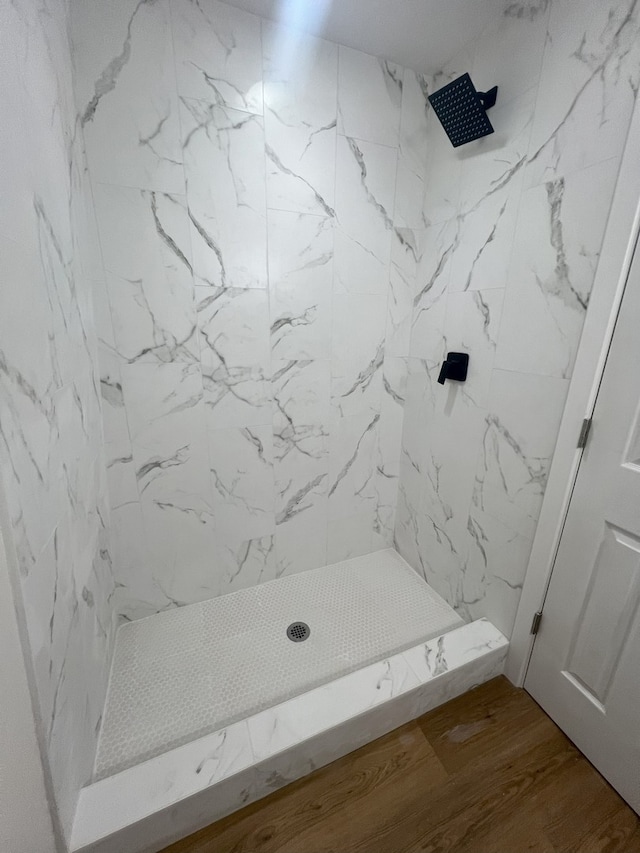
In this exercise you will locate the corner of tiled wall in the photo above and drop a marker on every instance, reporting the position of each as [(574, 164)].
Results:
[(51, 453), (515, 224)]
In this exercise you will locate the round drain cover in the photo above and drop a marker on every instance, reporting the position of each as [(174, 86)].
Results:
[(298, 631)]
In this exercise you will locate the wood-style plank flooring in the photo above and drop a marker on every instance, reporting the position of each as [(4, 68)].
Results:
[(488, 772)]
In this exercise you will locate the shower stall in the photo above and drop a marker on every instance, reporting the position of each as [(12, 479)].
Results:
[(247, 529)]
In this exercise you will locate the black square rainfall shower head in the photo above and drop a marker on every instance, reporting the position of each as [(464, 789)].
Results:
[(463, 111)]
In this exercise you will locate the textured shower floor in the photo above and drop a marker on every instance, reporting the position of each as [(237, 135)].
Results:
[(183, 673)]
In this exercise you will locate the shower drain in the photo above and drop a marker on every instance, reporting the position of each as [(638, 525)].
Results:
[(298, 631)]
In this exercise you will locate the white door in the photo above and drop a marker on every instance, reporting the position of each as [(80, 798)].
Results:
[(585, 668)]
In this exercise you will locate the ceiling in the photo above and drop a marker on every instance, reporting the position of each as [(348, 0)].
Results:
[(421, 34)]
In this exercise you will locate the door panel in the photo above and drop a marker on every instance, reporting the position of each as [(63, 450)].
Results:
[(610, 605), (585, 667)]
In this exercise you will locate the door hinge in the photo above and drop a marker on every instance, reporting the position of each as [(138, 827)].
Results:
[(535, 624), (584, 433)]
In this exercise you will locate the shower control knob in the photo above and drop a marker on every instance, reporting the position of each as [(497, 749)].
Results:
[(455, 367)]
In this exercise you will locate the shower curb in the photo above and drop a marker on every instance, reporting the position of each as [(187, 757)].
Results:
[(147, 807)]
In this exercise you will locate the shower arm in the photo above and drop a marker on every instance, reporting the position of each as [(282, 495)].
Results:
[(488, 98)]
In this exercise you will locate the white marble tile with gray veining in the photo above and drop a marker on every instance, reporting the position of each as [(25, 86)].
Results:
[(301, 437), (147, 260), (234, 340), (369, 97), (352, 447), (244, 563), (555, 254), (357, 353), (433, 274), (282, 727), (472, 325), (224, 166), (412, 152), (301, 542), (584, 107), (300, 284), (300, 92), (51, 465), (241, 468), (452, 650), (406, 253), (126, 93), (365, 189), (498, 554), (218, 54), (517, 444), (167, 424), (387, 461)]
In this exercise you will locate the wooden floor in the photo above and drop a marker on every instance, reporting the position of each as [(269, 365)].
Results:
[(487, 773)]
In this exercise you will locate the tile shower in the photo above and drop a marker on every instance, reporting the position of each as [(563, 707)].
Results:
[(243, 257), (247, 217)]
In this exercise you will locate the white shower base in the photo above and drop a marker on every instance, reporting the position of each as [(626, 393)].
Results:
[(183, 673), (211, 707)]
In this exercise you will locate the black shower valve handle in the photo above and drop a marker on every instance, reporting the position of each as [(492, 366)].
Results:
[(454, 367)]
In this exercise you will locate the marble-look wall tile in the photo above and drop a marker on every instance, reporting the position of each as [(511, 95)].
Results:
[(472, 324), (301, 428), (387, 472), (357, 353), (350, 536), (489, 198), (588, 85), (243, 563), (433, 273), (167, 423), (241, 464), (126, 93), (218, 58), (337, 248), (301, 543), (517, 443), (262, 280), (365, 190), (52, 467), (300, 284), (509, 254), (224, 166), (300, 434), (412, 152), (257, 295), (352, 447), (555, 254), (234, 344), (234, 326), (147, 261), (406, 253), (369, 97), (300, 92)]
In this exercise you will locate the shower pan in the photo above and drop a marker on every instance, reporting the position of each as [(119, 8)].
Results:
[(211, 706)]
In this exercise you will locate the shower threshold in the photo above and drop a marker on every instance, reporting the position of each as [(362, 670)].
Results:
[(211, 706)]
